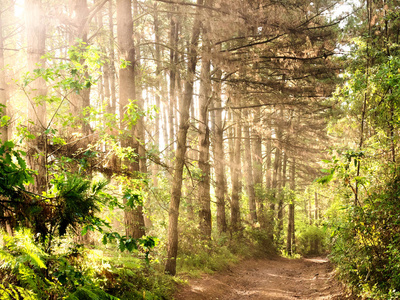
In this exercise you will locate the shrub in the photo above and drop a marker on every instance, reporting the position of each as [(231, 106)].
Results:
[(311, 241)]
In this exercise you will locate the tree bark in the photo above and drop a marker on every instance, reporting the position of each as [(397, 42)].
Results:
[(204, 140), (184, 107), (275, 183), (290, 242), (281, 196), (219, 161), (173, 39), (257, 164), (249, 169), (3, 86), (236, 176), (134, 220), (36, 38), (80, 101), (316, 212), (268, 166)]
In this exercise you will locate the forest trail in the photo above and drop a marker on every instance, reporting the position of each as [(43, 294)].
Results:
[(278, 278)]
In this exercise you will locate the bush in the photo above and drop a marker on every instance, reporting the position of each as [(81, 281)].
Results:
[(311, 241), (366, 245), (27, 272)]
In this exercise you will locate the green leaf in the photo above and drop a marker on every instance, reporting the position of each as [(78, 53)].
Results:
[(21, 162), (122, 246), (8, 159)]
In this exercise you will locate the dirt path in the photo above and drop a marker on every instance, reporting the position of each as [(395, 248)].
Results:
[(279, 278)]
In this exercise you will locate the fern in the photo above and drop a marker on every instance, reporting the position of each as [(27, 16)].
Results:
[(88, 293), (16, 292), (24, 260)]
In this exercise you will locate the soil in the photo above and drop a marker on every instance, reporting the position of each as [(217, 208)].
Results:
[(278, 278)]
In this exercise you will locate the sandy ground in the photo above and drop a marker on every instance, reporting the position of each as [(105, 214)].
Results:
[(278, 278)]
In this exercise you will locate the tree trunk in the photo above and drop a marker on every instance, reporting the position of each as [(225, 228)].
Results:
[(3, 86), (36, 38), (236, 176), (204, 141), (257, 166), (281, 197), (80, 101), (184, 107), (219, 165), (139, 130), (112, 72), (249, 170), (158, 89), (316, 212), (275, 183), (134, 220), (173, 37), (268, 166), (290, 233)]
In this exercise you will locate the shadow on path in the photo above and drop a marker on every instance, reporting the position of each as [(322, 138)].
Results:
[(279, 278)]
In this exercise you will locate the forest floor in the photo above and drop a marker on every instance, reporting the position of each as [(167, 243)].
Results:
[(278, 278)]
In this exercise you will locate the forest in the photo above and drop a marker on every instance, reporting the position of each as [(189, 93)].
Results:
[(144, 142)]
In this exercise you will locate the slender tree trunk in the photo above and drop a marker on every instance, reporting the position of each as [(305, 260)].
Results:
[(236, 176), (192, 155), (3, 86), (204, 140), (172, 81), (281, 197), (80, 101), (275, 184), (139, 129), (4, 134), (134, 220), (248, 163), (112, 72), (268, 183), (316, 212), (219, 165), (158, 88), (36, 37), (110, 100), (184, 107), (290, 242), (257, 166)]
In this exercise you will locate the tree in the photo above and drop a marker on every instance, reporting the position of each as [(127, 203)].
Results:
[(204, 134), (3, 88), (134, 219), (36, 39), (290, 241), (184, 107), (219, 157)]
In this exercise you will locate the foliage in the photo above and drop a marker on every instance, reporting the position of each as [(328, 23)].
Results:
[(311, 241), (366, 243), (73, 273), (365, 231), (13, 170)]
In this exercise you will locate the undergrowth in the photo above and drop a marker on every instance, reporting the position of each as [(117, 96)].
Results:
[(27, 272)]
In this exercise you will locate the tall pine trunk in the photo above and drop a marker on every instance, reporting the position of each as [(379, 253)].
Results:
[(3, 86), (249, 169), (236, 176), (184, 107), (80, 101), (281, 197), (257, 169), (36, 38), (219, 161), (204, 141), (134, 221), (290, 242)]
